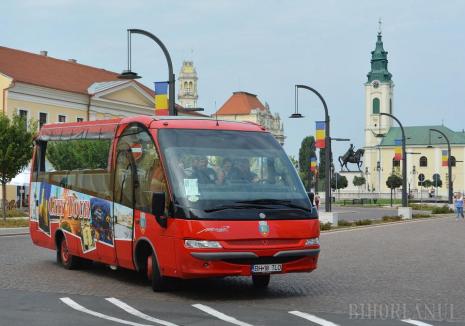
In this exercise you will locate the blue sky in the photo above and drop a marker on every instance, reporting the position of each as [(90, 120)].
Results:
[(265, 47)]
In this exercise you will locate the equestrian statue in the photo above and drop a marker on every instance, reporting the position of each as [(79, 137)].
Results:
[(352, 156)]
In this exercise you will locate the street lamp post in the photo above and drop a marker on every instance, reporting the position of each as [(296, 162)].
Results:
[(128, 74), (404, 161), (327, 144), (449, 165)]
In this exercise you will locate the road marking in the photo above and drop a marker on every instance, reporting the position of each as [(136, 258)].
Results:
[(415, 322), (220, 315), (76, 306), (313, 319), (137, 313)]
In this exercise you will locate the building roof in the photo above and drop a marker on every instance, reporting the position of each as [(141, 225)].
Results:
[(420, 135), (45, 71), (379, 62), (240, 103)]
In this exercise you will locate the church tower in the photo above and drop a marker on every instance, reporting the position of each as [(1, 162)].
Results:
[(187, 90), (378, 96)]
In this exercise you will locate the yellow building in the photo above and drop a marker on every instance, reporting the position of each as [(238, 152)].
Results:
[(51, 90), (423, 146)]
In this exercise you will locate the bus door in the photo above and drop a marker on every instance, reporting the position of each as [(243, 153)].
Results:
[(138, 174)]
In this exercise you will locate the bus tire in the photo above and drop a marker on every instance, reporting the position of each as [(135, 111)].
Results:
[(261, 281), (67, 260), (157, 281)]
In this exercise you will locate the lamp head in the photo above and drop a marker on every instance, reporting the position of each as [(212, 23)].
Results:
[(128, 74), (296, 115)]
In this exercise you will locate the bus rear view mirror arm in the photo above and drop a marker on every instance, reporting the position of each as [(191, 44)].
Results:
[(158, 208)]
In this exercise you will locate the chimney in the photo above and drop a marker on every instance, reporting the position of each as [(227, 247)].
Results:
[(72, 60), (44, 53)]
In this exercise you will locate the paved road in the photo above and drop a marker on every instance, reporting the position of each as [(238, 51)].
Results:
[(371, 276), (359, 213)]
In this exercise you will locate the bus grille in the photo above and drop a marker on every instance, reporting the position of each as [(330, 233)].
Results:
[(262, 260)]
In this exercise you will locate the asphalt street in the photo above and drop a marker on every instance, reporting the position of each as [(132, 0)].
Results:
[(398, 274)]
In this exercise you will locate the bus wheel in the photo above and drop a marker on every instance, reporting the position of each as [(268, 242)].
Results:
[(157, 281), (67, 260), (261, 281)]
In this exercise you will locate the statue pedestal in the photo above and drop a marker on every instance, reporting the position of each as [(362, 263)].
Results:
[(350, 175)]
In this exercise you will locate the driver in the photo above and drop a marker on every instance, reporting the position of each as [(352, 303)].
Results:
[(201, 171)]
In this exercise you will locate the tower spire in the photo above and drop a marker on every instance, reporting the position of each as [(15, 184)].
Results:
[(379, 26), (379, 62)]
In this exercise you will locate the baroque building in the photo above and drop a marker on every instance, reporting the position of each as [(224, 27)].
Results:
[(187, 90), (244, 106), (423, 146)]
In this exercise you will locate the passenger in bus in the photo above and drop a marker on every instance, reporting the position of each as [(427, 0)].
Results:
[(240, 171), (202, 172)]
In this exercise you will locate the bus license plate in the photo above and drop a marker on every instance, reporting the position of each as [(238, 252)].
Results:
[(267, 268)]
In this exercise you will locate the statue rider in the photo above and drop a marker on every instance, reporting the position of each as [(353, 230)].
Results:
[(350, 152)]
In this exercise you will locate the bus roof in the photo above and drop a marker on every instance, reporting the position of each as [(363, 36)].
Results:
[(106, 129)]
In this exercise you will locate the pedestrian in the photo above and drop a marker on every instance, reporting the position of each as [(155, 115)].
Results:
[(317, 201), (458, 203)]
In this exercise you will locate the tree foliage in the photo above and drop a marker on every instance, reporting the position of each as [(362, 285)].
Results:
[(437, 182), (78, 154), (339, 182), (16, 145), (359, 181), (306, 152), (394, 181)]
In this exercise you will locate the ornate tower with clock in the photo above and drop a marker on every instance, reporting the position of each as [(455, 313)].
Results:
[(378, 96)]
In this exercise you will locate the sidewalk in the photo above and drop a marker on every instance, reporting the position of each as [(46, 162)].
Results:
[(14, 231)]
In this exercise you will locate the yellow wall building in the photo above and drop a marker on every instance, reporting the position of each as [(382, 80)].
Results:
[(50, 90)]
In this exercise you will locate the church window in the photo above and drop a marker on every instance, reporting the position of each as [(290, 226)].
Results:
[(453, 161), (390, 106), (376, 105), (423, 161)]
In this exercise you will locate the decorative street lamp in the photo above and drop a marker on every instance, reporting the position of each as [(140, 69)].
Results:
[(296, 114), (449, 163), (404, 161), (128, 74)]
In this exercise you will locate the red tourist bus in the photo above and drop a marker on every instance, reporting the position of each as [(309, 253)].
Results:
[(171, 197)]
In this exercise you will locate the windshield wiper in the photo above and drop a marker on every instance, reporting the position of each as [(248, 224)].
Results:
[(239, 205), (282, 202)]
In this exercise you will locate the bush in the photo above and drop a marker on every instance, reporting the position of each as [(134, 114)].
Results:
[(13, 223), (15, 213), (442, 210), (421, 207), (391, 218), (421, 215), (344, 223), (325, 226), (363, 222)]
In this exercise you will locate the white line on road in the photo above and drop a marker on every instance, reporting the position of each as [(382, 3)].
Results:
[(220, 315), (313, 319), (415, 322), (76, 306), (137, 313)]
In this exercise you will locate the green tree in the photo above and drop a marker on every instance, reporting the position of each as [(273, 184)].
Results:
[(78, 154), (321, 169), (393, 181), (427, 183), (359, 181), (294, 161), (306, 152), (437, 182), (339, 182), (15, 149)]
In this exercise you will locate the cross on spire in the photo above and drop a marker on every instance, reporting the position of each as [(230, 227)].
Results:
[(379, 25)]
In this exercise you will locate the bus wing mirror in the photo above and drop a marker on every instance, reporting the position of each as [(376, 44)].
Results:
[(158, 208)]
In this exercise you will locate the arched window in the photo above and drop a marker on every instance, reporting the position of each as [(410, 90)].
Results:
[(186, 86), (423, 161), (376, 105), (453, 161), (390, 106), (395, 163)]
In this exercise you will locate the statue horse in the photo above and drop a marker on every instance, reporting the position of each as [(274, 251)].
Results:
[(356, 158)]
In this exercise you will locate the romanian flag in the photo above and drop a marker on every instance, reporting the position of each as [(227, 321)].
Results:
[(398, 150), (161, 98), (445, 158), (313, 164), (320, 134)]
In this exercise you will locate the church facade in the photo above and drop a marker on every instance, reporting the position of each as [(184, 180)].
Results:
[(424, 147)]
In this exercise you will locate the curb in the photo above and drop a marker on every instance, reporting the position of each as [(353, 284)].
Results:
[(14, 231)]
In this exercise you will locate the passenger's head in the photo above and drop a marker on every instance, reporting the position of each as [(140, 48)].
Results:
[(227, 164), (199, 161), (243, 164)]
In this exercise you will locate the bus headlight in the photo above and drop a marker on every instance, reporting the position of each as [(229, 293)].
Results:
[(312, 242), (202, 244)]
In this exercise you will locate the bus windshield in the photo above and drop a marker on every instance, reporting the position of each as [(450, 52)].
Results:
[(231, 174)]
